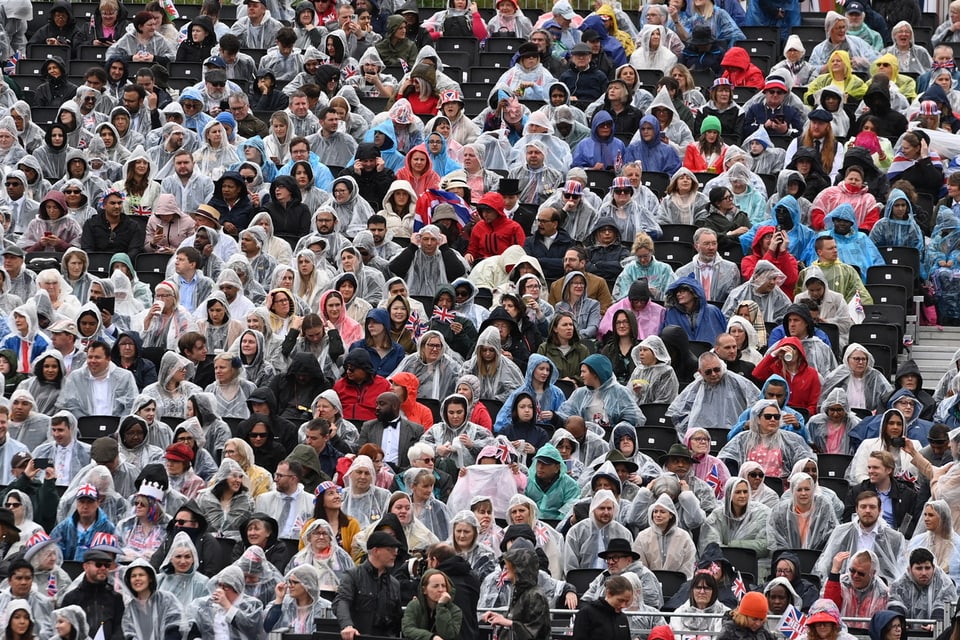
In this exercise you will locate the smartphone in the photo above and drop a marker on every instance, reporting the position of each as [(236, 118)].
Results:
[(42, 463), (898, 442), (106, 304)]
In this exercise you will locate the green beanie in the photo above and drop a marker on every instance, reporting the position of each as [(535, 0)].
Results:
[(710, 123)]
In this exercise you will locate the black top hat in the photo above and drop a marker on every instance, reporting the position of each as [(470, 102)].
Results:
[(509, 187), (619, 547)]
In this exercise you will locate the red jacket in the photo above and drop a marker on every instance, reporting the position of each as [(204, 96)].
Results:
[(804, 387), (783, 261), (738, 69), (360, 401), (487, 240)]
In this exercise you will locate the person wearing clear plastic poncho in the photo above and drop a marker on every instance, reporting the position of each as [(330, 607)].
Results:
[(151, 613), (227, 613), (830, 429), (297, 602), (361, 498), (704, 598), (653, 380), (73, 616), (809, 466), (784, 529), (179, 573), (498, 375), (260, 576), (465, 539), (716, 398), (112, 503), (939, 537), (322, 553), (229, 482), (764, 289), (496, 589), (437, 369), (459, 443), (741, 523), (776, 449), (523, 510), (663, 545), (21, 505), (173, 385), (425, 507), (588, 538)]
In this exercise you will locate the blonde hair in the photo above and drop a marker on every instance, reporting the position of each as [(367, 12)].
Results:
[(642, 241)]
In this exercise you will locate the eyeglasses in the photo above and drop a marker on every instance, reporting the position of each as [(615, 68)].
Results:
[(258, 435), (321, 534), (726, 197), (12, 184), (755, 474), (219, 85), (611, 559), (859, 574), (13, 505), (545, 220), (434, 346), (622, 191), (858, 359), (710, 372), (182, 523), (72, 192), (883, 64), (700, 439), (770, 416), (571, 196), (141, 503)]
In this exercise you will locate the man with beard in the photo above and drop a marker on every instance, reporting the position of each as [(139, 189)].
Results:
[(392, 433)]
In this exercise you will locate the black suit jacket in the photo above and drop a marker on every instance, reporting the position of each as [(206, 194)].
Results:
[(372, 431)]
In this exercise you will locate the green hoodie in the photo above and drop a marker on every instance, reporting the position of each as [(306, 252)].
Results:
[(420, 623)]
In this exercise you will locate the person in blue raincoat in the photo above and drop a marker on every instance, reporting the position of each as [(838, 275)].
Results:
[(268, 169), (437, 150), (385, 138), (602, 399), (786, 215), (651, 150), (853, 246), (547, 395), (898, 227), (783, 14), (612, 46), (796, 425), (688, 309), (602, 150)]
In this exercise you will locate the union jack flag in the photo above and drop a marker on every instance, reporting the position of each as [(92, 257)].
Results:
[(140, 210), (52, 585), (503, 450), (739, 588), (10, 65), (404, 66), (793, 623), (414, 326), (105, 541), (713, 479), (443, 315), (426, 203)]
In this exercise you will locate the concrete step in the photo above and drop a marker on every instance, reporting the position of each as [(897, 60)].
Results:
[(933, 352)]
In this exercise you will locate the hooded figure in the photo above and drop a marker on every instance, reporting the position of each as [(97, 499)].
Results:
[(700, 320), (764, 288), (186, 585), (787, 447), (784, 528), (663, 545), (655, 383), (866, 391), (651, 150), (786, 215), (437, 370), (155, 616), (725, 527), (898, 227), (607, 404), (588, 538), (828, 434), (209, 618)]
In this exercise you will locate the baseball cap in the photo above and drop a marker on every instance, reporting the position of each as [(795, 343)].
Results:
[(217, 61), (854, 7), (88, 492), (775, 83)]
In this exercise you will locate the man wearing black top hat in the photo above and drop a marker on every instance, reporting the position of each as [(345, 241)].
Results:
[(521, 214)]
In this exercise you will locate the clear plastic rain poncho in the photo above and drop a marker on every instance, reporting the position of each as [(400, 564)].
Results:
[(437, 378), (221, 523), (499, 379), (871, 390), (27, 525), (153, 618), (548, 538), (188, 586), (443, 433), (432, 513), (645, 616), (712, 406), (172, 403), (242, 622), (692, 513), (330, 563), (888, 544), (783, 529), (43, 552), (111, 502), (825, 492), (822, 432), (773, 304), (669, 549), (589, 537), (259, 574), (658, 383), (747, 531), (482, 558), (942, 541), (76, 617), (776, 453), (293, 617), (365, 506)]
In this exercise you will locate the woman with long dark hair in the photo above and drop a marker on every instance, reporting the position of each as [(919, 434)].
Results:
[(227, 502)]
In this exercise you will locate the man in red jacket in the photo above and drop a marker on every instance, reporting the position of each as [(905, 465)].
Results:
[(494, 232), (359, 386)]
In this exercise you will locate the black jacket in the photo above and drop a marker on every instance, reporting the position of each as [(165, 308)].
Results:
[(923, 397), (291, 396), (369, 601), (292, 219), (597, 619), (905, 503), (551, 260), (372, 185), (212, 558), (468, 593), (144, 372), (284, 431), (126, 237), (102, 605), (277, 551)]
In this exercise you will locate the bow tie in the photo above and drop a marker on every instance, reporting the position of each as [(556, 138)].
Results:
[(949, 64)]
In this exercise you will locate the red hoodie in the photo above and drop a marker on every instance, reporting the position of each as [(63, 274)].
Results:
[(782, 260), (804, 386), (413, 410), (738, 69), (486, 239)]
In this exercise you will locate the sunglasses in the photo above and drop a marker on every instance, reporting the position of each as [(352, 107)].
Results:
[(72, 192), (622, 191), (756, 474), (859, 574), (102, 564), (713, 371), (258, 435), (770, 416), (568, 196), (183, 523), (249, 178)]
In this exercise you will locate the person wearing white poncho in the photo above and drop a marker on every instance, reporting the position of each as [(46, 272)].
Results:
[(763, 441), (178, 571), (437, 370), (361, 498), (784, 530), (939, 537), (713, 400), (655, 381), (587, 538), (299, 604), (465, 538), (260, 577), (227, 613), (322, 553), (663, 545), (231, 478), (523, 510), (741, 523), (498, 375), (152, 613)]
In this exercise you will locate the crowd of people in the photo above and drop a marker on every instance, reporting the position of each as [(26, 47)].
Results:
[(392, 372)]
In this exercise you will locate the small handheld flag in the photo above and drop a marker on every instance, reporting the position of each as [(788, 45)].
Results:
[(443, 315)]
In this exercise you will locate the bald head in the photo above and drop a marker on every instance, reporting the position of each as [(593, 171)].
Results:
[(388, 406)]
